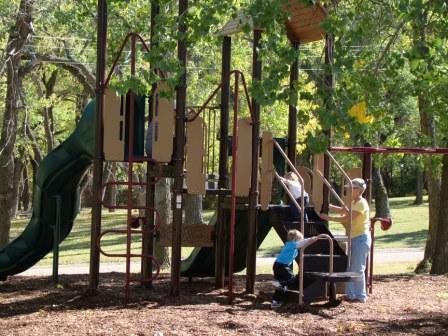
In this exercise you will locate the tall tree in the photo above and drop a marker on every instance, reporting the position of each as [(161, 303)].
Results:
[(18, 36)]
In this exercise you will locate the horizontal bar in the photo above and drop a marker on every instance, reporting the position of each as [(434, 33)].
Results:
[(391, 150)]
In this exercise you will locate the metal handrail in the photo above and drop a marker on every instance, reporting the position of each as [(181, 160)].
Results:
[(348, 179), (330, 187), (386, 223), (301, 208), (301, 262), (133, 35), (238, 74), (339, 199)]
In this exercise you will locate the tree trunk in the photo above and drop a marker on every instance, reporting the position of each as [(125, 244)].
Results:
[(419, 186), (193, 209), (25, 196), (163, 204), (86, 189), (18, 167), (428, 128), (440, 255), (382, 208), (18, 36), (112, 190)]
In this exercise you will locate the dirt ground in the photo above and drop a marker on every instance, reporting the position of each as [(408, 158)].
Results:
[(400, 305)]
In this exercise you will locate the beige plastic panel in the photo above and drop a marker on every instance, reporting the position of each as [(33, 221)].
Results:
[(193, 235), (244, 157), (114, 124), (267, 167), (318, 184), (306, 174), (163, 123), (352, 173), (195, 177)]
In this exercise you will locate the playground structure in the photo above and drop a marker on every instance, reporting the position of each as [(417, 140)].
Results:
[(118, 136), (245, 213)]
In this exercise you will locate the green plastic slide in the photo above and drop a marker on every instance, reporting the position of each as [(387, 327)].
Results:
[(57, 181)]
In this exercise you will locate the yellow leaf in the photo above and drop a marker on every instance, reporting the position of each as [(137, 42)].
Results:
[(358, 111)]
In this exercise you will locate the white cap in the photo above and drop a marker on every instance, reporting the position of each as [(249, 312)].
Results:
[(358, 183)]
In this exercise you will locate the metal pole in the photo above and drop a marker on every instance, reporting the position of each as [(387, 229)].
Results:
[(367, 173), (367, 176), (130, 175), (329, 85), (56, 240), (293, 107), (98, 159), (179, 153), (148, 233), (253, 197), (233, 187), (223, 158), (370, 277)]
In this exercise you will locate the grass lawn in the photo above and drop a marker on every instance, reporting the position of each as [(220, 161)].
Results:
[(408, 230)]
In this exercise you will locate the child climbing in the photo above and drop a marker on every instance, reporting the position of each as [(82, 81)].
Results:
[(292, 182), (283, 274), (360, 238)]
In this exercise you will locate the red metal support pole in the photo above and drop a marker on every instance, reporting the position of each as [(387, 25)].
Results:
[(98, 159), (391, 150), (372, 249), (233, 187), (386, 223)]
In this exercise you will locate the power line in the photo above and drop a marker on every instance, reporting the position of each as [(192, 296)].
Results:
[(61, 38)]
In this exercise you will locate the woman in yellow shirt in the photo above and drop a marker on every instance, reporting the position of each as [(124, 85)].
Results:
[(360, 238)]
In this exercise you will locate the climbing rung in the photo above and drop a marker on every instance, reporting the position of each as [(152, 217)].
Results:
[(335, 276)]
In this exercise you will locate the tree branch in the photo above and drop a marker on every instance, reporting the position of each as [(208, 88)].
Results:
[(76, 68), (390, 43)]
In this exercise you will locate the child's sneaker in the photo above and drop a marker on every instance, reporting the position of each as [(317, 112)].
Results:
[(276, 284), (276, 304)]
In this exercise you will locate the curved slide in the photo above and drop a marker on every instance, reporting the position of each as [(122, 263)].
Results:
[(57, 178)]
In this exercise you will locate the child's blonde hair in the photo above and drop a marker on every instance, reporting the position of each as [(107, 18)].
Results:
[(292, 176), (294, 235)]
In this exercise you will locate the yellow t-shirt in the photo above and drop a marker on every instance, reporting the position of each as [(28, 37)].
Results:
[(361, 224)]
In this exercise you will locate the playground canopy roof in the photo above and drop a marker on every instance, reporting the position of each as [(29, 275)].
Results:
[(303, 23)]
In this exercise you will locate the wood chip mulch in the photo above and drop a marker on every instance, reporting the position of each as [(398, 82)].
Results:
[(399, 305)]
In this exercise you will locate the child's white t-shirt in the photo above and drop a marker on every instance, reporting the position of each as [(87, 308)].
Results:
[(295, 188)]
